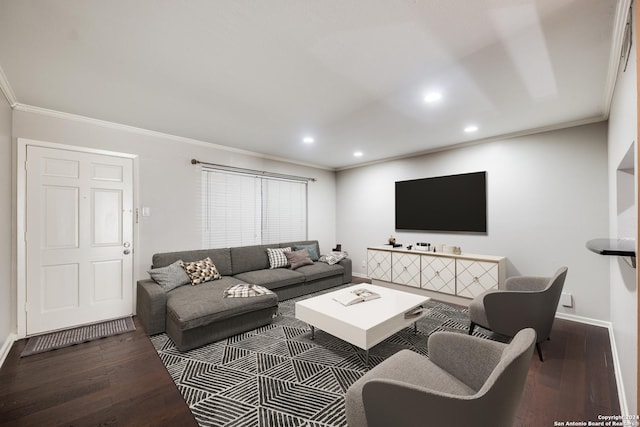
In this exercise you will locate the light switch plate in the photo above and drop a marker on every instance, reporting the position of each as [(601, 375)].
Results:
[(566, 299)]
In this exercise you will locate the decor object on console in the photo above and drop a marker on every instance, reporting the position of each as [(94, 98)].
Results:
[(196, 315), (526, 302), (452, 387)]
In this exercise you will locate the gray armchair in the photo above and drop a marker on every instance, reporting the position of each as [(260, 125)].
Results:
[(466, 381), (527, 302)]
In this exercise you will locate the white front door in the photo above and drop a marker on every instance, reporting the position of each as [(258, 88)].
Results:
[(79, 229)]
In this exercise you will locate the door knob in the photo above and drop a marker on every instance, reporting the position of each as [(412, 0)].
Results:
[(126, 252)]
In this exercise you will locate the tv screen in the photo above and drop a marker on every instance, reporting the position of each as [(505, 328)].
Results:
[(444, 203)]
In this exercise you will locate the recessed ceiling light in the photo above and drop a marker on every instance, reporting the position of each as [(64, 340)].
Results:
[(357, 153), (432, 97), (308, 140), (471, 128)]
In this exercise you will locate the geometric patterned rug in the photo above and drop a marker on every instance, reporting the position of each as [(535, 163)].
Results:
[(277, 376)]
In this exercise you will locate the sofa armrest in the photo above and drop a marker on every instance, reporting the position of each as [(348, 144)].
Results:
[(348, 269), (151, 306)]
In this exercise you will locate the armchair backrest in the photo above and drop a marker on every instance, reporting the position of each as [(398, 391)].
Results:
[(510, 311), (550, 302)]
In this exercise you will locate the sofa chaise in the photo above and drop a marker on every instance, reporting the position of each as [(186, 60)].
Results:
[(196, 315)]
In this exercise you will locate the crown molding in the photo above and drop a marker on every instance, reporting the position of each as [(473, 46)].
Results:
[(156, 134), (6, 89), (500, 137), (619, 24)]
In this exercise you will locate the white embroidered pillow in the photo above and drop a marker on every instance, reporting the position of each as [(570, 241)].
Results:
[(277, 258)]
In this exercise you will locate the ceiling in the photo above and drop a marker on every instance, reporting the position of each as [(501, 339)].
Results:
[(353, 74)]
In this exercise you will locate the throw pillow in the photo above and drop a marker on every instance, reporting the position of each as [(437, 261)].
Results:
[(170, 277), (277, 258), (333, 257), (201, 271), (298, 258), (245, 290), (312, 249)]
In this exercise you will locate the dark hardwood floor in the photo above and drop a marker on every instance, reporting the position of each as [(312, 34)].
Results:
[(114, 381), (576, 381), (120, 381)]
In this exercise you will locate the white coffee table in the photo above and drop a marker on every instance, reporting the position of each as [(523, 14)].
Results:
[(363, 324)]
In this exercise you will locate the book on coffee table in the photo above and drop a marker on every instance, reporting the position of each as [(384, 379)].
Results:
[(355, 296)]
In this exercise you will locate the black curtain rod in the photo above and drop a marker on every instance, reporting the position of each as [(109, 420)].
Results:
[(252, 171)]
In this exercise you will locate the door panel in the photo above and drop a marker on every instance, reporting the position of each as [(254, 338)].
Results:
[(60, 217), (79, 220)]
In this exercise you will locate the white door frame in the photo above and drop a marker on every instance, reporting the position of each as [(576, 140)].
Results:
[(21, 209)]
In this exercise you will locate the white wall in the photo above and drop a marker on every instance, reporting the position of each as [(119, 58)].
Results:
[(170, 185), (623, 223), (7, 297), (546, 196)]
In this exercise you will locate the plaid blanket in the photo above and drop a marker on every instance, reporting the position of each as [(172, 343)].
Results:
[(243, 290)]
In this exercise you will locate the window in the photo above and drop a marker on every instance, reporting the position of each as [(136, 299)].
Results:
[(240, 209)]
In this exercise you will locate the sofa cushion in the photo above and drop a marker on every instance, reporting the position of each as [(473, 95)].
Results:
[(298, 258), (194, 306), (171, 276), (272, 279), (220, 257), (320, 270), (277, 257), (333, 257), (201, 271), (311, 248), (311, 245), (249, 258)]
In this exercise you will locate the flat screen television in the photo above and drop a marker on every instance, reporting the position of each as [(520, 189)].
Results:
[(456, 203)]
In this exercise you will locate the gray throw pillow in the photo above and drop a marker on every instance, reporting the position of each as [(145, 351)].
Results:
[(311, 248), (171, 276), (298, 258)]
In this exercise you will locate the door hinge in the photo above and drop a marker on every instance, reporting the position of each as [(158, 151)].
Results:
[(137, 215)]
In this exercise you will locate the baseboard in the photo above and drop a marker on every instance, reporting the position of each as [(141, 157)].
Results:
[(622, 396), (361, 275), (585, 320), (6, 347)]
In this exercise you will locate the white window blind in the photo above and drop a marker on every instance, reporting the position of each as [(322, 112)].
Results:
[(244, 209), (284, 211)]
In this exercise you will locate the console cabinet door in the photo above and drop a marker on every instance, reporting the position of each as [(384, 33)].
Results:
[(379, 265), (439, 274), (405, 269), (475, 277)]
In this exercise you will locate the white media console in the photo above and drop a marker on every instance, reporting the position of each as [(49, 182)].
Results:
[(461, 276)]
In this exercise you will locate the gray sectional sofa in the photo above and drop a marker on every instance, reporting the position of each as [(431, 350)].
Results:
[(196, 315)]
